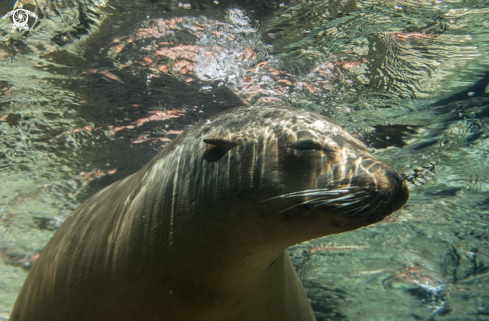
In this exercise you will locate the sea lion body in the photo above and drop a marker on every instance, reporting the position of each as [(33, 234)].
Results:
[(200, 232)]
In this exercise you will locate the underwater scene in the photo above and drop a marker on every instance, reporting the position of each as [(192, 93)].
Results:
[(92, 90)]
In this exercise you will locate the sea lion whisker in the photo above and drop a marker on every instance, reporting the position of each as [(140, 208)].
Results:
[(359, 209), (371, 211), (333, 192), (356, 201), (329, 199), (321, 190), (341, 198), (296, 205), (343, 205), (325, 201), (361, 198), (354, 210), (286, 209), (322, 202), (312, 192), (303, 203), (314, 207)]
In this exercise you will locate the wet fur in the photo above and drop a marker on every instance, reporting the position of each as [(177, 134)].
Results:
[(200, 232)]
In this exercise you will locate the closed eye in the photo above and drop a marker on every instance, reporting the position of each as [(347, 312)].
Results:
[(307, 146)]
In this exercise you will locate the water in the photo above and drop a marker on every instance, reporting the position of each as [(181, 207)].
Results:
[(96, 88)]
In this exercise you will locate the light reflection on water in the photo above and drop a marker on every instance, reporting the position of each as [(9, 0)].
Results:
[(97, 87)]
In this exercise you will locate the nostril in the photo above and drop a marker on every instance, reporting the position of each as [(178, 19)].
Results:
[(395, 175)]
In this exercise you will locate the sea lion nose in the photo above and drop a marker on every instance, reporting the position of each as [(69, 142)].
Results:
[(395, 175), (402, 190)]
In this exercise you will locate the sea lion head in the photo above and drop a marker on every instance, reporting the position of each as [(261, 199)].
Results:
[(283, 164)]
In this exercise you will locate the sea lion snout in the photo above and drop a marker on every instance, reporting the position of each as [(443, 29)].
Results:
[(402, 195), (359, 186), (388, 189)]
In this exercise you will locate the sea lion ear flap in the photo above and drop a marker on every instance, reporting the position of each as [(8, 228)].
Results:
[(216, 148)]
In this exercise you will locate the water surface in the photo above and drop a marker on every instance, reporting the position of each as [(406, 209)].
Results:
[(97, 87)]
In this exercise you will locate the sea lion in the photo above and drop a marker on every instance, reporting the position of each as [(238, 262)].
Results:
[(200, 232)]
